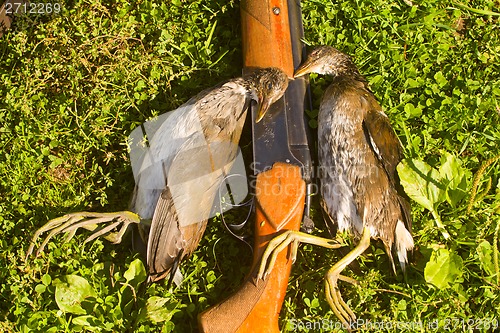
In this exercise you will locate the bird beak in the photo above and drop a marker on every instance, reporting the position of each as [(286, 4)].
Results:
[(264, 104), (303, 69)]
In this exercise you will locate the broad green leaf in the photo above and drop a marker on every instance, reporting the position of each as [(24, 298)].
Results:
[(376, 80), (402, 305), (443, 268), (440, 79), (314, 303), (412, 111), (412, 83), (46, 279), (71, 291), (463, 296), (89, 322), (136, 273), (40, 288), (157, 309), (421, 182), (455, 176), (485, 254)]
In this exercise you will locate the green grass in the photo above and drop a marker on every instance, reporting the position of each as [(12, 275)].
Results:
[(75, 84)]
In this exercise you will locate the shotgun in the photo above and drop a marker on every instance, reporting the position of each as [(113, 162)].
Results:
[(272, 32)]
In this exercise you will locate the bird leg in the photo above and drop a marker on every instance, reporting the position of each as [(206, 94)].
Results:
[(333, 296), (70, 223), (293, 238)]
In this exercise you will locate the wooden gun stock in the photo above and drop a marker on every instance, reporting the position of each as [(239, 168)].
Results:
[(255, 307), (267, 40), (271, 38)]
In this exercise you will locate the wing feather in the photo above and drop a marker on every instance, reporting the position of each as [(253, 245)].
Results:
[(388, 150), (383, 140)]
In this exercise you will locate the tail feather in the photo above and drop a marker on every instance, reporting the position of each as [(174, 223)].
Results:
[(175, 273), (404, 244)]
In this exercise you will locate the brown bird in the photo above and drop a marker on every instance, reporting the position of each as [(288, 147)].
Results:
[(358, 152), (179, 170)]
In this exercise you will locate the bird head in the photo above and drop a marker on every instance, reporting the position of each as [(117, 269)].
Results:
[(268, 84), (326, 60)]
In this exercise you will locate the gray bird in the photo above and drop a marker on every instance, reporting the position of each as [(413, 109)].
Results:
[(358, 152), (178, 171)]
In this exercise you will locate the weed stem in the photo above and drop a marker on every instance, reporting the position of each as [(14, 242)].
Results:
[(440, 225), (477, 178), (495, 252)]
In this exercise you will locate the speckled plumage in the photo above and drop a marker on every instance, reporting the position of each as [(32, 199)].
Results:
[(358, 152)]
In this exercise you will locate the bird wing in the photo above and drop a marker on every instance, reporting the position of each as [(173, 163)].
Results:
[(165, 242), (182, 210), (153, 145), (383, 140), (387, 148)]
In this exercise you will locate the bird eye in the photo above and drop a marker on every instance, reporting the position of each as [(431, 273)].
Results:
[(269, 86)]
